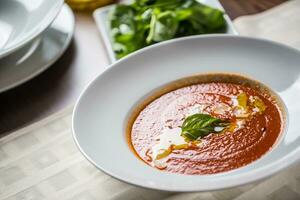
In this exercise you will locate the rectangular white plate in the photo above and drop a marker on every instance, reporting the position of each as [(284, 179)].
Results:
[(101, 18)]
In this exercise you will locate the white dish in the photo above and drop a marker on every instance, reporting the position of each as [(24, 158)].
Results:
[(101, 18), (102, 111), (23, 20), (38, 55)]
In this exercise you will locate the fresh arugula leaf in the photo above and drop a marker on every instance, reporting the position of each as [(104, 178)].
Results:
[(200, 125)]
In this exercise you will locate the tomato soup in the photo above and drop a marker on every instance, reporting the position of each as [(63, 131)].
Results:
[(253, 116)]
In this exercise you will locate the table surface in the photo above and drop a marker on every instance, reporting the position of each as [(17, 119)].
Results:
[(86, 57)]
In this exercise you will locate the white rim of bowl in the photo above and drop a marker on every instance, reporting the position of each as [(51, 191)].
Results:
[(34, 33), (222, 182)]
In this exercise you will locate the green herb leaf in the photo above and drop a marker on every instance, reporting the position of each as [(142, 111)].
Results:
[(163, 26), (200, 125), (125, 32), (145, 22)]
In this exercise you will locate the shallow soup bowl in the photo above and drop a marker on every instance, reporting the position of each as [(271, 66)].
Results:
[(101, 114)]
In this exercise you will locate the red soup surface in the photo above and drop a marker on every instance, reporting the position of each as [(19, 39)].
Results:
[(255, 122)]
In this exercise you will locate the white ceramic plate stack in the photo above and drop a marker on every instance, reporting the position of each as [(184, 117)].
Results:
[(33, 35)]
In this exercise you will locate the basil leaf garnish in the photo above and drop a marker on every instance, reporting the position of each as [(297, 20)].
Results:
[(198, 126)]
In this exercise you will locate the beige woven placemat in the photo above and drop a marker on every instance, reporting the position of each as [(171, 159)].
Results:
[(41, 161), (281, 24)]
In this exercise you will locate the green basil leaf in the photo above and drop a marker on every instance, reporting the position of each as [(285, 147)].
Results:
[(163, 26), (125, 31), (198, 126), (145, 22)]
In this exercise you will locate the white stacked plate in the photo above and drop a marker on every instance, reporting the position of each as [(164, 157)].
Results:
[(33, 35)]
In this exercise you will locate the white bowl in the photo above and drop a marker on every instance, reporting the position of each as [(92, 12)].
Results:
[(23, 20), (101, 113)]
